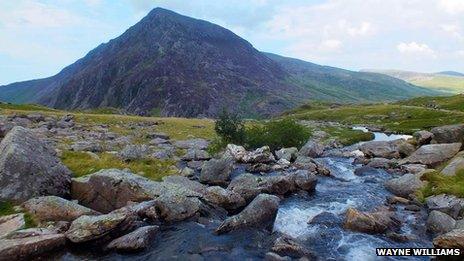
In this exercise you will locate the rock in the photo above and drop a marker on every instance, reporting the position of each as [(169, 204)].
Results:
[(381, 163), (227, 199), (11, 223), (375, 222), (327, 219), (288, 154), (312, 149), (413, 168), (452, 239), (304, 180), (195, 164), (196, 154), (259, 168), (28, 247), (260, 155), (249, 186), (111, 189), (304, 162), (137, 240), (259, 214), (236, 152), (200, 144), (270, 256), (459, 224), (52, 208), (434, 154), (423, 137), (287, 246), (405, 185), (158, 141), (134, 152), (87, 228), (29, 168), (173, 208), (187, 172), (439, 222), (387, 149), (158, 135), (401, 237), (456, 164), (448, 134), (216, 171), (186, 183), (84, 145), (397, 200), (448, 204)]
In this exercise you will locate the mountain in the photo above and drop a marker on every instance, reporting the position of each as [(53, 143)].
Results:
[(172, 65), (446, 81)]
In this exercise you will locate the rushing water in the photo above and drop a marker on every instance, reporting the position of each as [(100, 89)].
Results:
[(316, 220)]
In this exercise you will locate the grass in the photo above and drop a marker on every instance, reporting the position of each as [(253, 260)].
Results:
[(442, 83), (348, 136), (23, 107), (439, 184), (81, 164), (7, 208), (454, 103)]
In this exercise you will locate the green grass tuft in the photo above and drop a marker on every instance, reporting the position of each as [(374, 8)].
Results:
[(439, 184)]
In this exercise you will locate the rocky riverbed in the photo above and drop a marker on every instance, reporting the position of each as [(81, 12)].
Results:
[(316, 202)]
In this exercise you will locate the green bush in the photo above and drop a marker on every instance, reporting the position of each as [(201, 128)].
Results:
[(230, 128), (277, 134)]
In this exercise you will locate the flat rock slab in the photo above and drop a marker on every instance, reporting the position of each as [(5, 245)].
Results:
[(23, 248), (137, 240), (434, 154), (11, 223)]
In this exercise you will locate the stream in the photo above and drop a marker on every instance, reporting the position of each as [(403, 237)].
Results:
[(316, 220)]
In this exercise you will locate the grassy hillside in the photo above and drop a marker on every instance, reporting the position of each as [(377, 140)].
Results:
[(405, 117), (442, 83)]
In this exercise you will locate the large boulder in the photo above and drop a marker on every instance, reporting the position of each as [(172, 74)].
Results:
[(387, 149), (375, 222), (448, 204), (452, 239), (303, 180), (53, 208), (456, 164), (236, 152), (249, 186), (111, 189), (312, 149), (439, 222), (173, 208), (25, 248), (259, 214), (288, 154), (434, 154), (260, 155), (225, 198), (11, 223), (405, 185), (137, 240), (286, 246), (29, 168), (448, 134), (423, 137), (216, 171)]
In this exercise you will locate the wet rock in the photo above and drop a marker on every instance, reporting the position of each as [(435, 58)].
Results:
[(29, 167), (411, 207), (439, 222), (448, 133), (246, 185), (401, 237), (196, 154), (259, 168), (448, 204), (304, 180), (52, 208), (423, 137), (227, 199), (11, 223), (216, 171), (405, 185), (137, 240), (287, 246), (327, 219), (452, 239), (434, 154), (270, 256), (456, 164), (259, 214), (397, 200), (307, 163), (92, 146), (28, 247), (312, 149), (200, 144), (375, 222), (134, 152), (387, 149), (288, 154), (87, 228)]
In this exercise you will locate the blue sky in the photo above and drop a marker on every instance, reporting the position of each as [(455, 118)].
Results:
[(40, 37)]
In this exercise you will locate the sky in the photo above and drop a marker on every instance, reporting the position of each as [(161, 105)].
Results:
[(38, 38)]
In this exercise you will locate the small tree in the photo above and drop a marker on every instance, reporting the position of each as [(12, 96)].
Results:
[(230, 127)]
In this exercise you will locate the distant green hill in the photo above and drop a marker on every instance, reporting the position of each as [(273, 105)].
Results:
[(447, 81)]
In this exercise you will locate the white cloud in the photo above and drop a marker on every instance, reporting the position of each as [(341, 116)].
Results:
[(454, 30), (330, 45), (363, 29), (452, 6), (460, 53), (414, 48)]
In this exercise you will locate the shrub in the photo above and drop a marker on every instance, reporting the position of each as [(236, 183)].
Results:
[(277, 134), (230, 128)]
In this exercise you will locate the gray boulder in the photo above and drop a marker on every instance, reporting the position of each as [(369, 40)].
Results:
[(405, 185), (200, 144), (286, 246), (84, 145), (249, 186), (374, 222), (29, 168), (11, 223), (52, 208), (387, 149), (304, 180), (259, 214), (260, 155), (448, 204), (448, 134), (137, 240), (423, 137), (312, 149), (216, 171), (134, 152), (456, 164), (452, 239), (434, 154), (288, 154), (196, 154), (224, 198), (440, 223), (28, 247)]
